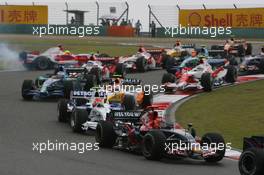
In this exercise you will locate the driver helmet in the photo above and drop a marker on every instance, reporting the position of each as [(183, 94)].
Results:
[(178, 43), (67, 52), (194, 53), (141, 49), (60, 47), (60, 74)]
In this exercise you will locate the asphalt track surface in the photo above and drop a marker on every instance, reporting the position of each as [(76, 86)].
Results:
[(23, 123)]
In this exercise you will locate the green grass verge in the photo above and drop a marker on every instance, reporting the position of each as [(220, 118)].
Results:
[(235, 112), (75, 45)]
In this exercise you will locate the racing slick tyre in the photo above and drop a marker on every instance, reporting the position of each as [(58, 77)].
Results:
[(261, 66), (231, 75), (207, 82), (78, 117), (121, 69), (42, 63), (103, 55), (63, 115), (165, 58), (153, 146), (141, 64), (129, 102), (105, 134), (240, 50), (214, 141), (90, 81), (249, 49), (168, 78), (170, 63), (98, 73), (67, 88), (26, 87), (251, 162), (147, 99)]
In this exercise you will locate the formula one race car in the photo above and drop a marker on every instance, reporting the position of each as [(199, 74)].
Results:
[(85, 109), (50, 58), (251, 161), (149, 133), (104, 70), (239, 49), (141, 61), (200, 74), (252, 64), (58, 85)]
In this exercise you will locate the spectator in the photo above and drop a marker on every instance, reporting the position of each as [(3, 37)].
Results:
[(153, 29), (107, 22), (178, 45), (103, 23), (114, 22), (72, 20), (138, 26), (123, 22), (227, 48), (129, 23)]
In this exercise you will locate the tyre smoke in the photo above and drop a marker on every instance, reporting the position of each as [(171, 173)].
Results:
[(9, 59)]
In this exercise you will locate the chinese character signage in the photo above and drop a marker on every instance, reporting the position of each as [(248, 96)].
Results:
[(20, 14), (235, 18)]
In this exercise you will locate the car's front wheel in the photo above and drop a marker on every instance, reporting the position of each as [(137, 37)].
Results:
[(251, 162)]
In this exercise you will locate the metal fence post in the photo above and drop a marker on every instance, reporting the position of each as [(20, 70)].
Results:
[(67, 13), (127, 10), (97, 13)]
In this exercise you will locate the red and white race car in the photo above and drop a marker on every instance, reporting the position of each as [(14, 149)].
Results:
[(49, 58), (141, 61), (202, 76)]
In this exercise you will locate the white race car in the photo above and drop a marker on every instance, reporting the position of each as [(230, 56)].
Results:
[(141, 61), (202, 76)]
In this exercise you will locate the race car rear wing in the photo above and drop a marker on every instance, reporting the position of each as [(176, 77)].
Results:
[(87, 94), (74, 70), (131, 81), (253, 142), (126, 116)]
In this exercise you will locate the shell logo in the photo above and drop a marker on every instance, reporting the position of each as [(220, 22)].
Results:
[(195, 19)]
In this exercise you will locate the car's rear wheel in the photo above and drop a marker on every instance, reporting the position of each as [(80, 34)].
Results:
[(78, 117), (105, 134), (207, 82), (153, 146), (98, 73), (141, 64), (67, 88), (231, 75), (90, 81), (129, 102), (251, 162), (63, 115), (26, 87), (42, 63), (215, 142), (168, 78), (121, 69), (261, 66), (165, 58)]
